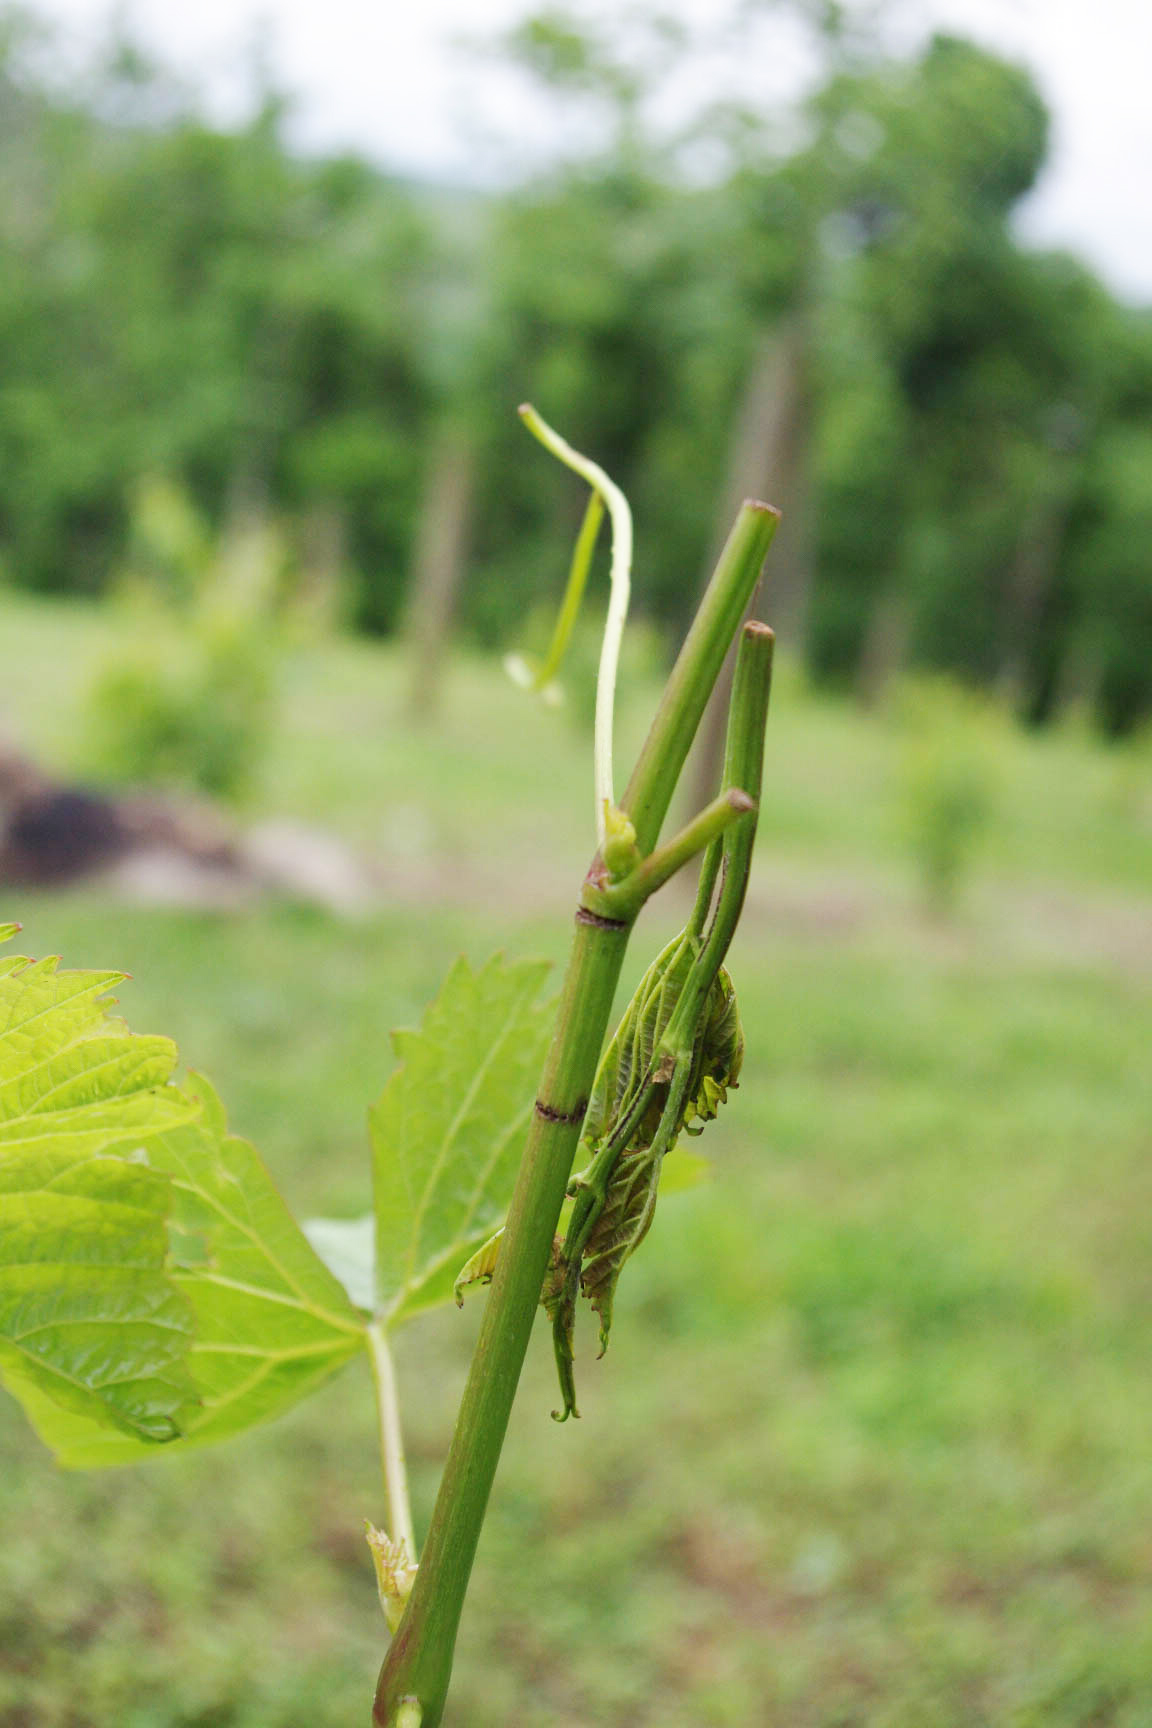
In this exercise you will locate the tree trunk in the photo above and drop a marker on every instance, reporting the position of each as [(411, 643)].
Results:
[(1028, 590), (766, 461), (885, 648), (323, 557), (437, 569)]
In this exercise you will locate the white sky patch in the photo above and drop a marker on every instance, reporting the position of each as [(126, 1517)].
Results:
[(382, 77)]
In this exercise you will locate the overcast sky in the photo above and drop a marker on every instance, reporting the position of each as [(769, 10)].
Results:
[(382, 76)]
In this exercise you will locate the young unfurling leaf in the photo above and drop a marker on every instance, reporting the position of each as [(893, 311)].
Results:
[(652, 1084), (718, 1050), (630, 1202), (627, 1061), (479, 1267), (721, 1056), (395, 1573)]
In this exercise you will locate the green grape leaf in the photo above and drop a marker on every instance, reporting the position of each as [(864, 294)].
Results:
[(73, 1078), (347, 1247), (91, 1324), (448, 1128), (270, 1321), (89, 1319)]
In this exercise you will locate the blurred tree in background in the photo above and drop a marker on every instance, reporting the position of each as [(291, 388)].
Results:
[(826, 303), (185, 299)]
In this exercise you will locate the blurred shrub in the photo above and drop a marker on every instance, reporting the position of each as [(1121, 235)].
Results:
[(948, 783), (1128, 787), (197, 718), (187, 696)]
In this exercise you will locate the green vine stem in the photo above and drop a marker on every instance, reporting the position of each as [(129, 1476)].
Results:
[(418, 1665), (744, 766), (624, 899), (391, 1441), (659, 765)]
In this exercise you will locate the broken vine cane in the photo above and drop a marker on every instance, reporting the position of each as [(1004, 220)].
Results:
[(414, 1679)]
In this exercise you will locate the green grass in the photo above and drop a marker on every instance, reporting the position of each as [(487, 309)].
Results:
[(870, 1448)]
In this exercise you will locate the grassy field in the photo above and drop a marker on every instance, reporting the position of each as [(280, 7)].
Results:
[(873, 1442)]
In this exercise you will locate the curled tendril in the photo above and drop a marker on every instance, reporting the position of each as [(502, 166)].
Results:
[(542, 678)]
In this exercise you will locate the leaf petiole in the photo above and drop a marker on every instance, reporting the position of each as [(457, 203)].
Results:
[(391, 1440)]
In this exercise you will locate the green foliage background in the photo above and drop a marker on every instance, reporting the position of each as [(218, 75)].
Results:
[(868, 1444), (200, 301), (869, 1447)]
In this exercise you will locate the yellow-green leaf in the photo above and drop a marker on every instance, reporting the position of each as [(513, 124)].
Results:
[(270, 1322), (91, 1324)]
